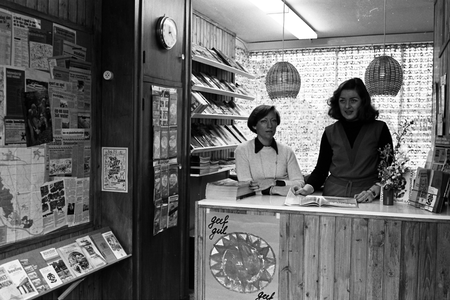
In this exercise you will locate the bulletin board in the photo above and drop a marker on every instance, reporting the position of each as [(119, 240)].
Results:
[(45, 126)]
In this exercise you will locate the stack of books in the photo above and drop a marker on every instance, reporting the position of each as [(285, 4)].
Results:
[(200, 165), (214, 166), (228, 189)]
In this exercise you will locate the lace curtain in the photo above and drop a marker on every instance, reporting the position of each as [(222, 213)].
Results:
[(322, 69)]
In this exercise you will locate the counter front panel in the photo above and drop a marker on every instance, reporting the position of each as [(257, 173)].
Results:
[(259, 249)]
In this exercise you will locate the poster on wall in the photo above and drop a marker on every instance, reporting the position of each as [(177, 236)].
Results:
[(115, 169), (240, 258)]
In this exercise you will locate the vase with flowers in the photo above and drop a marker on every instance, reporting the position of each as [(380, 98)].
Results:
[(393, 166)]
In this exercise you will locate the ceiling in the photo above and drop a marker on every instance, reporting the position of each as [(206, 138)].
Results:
[(331, 19)]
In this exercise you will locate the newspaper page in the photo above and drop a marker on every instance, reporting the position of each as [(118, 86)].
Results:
[(5, 37), (54, 206), (73, 50), (63, 110), (39, 54), (83, 185), (11, 90), (80, 76), (21, 52), (61, 34), (115, 169), (70, 185), (60, 161)]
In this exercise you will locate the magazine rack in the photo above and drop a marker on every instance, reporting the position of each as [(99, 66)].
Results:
[(72, 283)]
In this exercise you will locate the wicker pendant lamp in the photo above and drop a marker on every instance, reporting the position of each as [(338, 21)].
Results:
[(283, 79), (384, 75)]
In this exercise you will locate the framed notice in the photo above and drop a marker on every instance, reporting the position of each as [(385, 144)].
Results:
[(115, 169)]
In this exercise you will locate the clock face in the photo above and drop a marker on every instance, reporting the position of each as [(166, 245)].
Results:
[(167, 32)]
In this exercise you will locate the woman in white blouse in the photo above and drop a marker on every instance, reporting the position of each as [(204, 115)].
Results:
[(270, 167)]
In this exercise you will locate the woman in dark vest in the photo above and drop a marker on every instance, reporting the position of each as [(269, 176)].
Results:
[(349, 157)]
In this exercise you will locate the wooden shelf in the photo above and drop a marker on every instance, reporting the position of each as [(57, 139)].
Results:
[(206, 149), (220, 92), (221, 66), (216, 116), (221, 170)]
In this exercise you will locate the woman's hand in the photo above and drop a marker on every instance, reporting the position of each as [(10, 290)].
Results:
[(369, 195), (261, 185), (305, 190)]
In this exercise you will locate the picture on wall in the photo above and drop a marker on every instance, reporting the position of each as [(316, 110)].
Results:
[(115, 169)]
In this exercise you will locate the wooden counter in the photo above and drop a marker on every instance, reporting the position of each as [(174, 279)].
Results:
[(257, 248)]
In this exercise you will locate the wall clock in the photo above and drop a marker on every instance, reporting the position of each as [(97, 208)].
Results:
[(166, 32)]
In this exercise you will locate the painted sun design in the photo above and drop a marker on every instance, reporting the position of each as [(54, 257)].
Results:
[(242, 262)]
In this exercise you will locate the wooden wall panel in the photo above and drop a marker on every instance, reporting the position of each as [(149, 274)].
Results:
[(391, 276), (311, 257), (207, 33), (410, 255), (443, 260), (375, 259), (76, 11), (358, 261), (327, 257)]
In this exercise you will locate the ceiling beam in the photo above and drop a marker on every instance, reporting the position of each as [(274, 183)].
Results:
[(342, 42)]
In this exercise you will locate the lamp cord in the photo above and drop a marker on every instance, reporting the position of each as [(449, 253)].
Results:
[(384, 35), (284, 14)]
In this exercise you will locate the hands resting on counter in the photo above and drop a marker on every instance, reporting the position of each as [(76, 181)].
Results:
[(364, 196), (307, 189), (264, 184)]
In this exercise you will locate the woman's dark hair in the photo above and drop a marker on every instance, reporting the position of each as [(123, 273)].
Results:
[(366, 111), (260, 112)]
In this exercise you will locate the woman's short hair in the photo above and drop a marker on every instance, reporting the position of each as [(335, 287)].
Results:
[(260, 112), (366, 111)]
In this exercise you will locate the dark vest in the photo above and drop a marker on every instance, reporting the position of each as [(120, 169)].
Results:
[(352, 170)]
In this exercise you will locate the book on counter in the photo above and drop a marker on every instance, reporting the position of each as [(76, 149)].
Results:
[(228, 189), (315, 200)]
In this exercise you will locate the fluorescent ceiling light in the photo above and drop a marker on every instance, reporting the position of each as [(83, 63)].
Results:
[(292, 22)]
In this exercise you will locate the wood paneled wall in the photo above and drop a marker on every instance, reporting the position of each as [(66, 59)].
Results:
[(80, 12), (209, 34)]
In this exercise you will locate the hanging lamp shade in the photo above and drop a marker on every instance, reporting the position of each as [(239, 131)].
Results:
[(283, 81), (384, 76)]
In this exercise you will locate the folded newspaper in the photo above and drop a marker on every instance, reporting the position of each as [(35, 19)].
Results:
[(316, 200)]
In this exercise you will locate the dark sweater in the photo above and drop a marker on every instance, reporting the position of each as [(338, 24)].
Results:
[(321, 171)]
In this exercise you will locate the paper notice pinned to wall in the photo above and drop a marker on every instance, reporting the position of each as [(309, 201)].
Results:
[(115, 169)]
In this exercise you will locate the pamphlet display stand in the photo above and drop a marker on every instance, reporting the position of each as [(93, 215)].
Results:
[(45, 272)]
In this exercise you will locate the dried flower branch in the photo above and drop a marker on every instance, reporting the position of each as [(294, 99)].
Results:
[(392, 166)]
